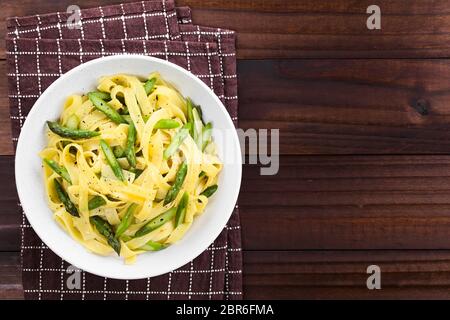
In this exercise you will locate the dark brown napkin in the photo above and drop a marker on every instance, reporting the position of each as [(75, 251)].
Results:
[(145, 20), (40, 49)]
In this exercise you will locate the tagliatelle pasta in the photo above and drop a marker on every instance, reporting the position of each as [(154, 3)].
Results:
[(128, 167)]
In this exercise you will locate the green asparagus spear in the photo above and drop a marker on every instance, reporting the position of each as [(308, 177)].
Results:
[(198, 127), (112, 161), (58, 169), (102, 106), (126, 221), (126, 238), (74, 134), (208, 192), (148, 86), (131, 139), (189, 107), (96, 202), (181, 211), (190, 117), (206, 135), (102, 95), (177, 140), (105, 229), (200, 113), (166, 124), (124, 111), (137, 172), (64, 198), (153, 246), (72, 122), (118, 151), (156, 222), (127, 118), (175, 188)]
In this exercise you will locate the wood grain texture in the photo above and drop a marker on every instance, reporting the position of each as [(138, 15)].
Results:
[(324, 29), (338, 203), (9, 215), (324, 202), (348, 202), (10, 276), (310, 29), (6, 146), (371, 106), (315, 275), (342, 274)]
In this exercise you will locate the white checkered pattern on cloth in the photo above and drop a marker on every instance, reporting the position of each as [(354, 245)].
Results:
[(35, 61)]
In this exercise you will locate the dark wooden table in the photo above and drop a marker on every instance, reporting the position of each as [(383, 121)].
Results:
[(364, 119)]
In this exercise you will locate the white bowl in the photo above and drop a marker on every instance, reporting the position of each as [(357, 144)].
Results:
[(29, 175)]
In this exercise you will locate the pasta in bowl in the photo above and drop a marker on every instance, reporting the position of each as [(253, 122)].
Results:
[(128, 167), (131, 164)]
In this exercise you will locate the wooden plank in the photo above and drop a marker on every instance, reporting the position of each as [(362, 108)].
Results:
[(322, 7), (349, 106), (10, 276), (348, 202), (342, 274), (337, 29), (10, 217), (315, 275), (268, 29), (323, 202), (336, 106)]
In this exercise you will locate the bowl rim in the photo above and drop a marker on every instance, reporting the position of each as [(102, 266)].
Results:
[(27, 207)]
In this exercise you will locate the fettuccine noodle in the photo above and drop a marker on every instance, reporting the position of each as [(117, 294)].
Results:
[(158, 176)]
